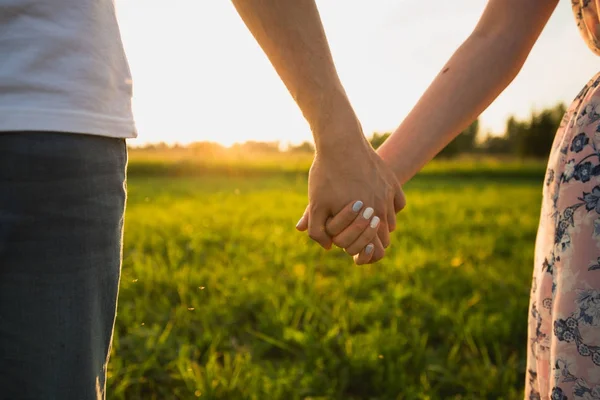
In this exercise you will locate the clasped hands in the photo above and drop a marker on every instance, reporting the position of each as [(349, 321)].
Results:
[(354, 197)]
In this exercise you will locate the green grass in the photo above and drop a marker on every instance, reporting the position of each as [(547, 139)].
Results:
[(222, 299)]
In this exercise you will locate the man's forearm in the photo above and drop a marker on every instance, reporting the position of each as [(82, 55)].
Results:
[(291, 34)]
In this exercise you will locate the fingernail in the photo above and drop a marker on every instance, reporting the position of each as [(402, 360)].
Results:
[(375, 222), (368, 212), (369, 249), (357, 206), (300, 221)]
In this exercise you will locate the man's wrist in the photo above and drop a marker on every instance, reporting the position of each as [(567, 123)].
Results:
[(340, 138), (337, 127)]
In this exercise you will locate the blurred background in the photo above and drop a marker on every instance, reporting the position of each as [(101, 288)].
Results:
[(222, 299)]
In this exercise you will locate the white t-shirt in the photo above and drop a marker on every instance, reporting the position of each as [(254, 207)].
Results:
[(63, 68)]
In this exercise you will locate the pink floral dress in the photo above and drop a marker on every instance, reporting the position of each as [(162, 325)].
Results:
[(564, 314)]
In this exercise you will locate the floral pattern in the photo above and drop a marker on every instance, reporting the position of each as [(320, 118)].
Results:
[(564, 318), (586, 15)]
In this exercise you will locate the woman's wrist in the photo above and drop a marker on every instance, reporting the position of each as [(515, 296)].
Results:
[(397, 160)]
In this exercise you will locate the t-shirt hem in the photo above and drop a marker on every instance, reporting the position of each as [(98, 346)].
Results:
[(15, 120)]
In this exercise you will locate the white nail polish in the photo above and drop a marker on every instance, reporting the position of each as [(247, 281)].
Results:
[(357, 206), (375, 222), (368, 212), (369, 248)]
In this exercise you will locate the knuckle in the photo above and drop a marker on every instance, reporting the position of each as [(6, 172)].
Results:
[(357, 229), (351, 251), (376, 257), (369, 236), (314, 235), (361, 222), (349, 215), (383, 232), (401, 203), (341, 243), (328, 231), (331, 230), (401, 206), (350, 223), (375, 260)]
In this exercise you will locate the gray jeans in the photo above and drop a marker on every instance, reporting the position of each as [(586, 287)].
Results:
[(62, 200)]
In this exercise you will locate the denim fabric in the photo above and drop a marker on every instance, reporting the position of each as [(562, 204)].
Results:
[(62, 201)]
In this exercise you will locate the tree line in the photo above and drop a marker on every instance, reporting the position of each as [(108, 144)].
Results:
[(529, 138)]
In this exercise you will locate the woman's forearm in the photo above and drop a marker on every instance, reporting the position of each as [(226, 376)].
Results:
[(473, 77), (470, 81)]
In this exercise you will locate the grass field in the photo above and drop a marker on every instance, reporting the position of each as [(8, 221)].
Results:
[(222, 299)]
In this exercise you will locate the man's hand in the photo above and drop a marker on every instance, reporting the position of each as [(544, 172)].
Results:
[(346, 167), (342, 173)]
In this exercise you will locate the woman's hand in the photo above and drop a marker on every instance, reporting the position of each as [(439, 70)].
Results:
[(345, 170), (353, 229)]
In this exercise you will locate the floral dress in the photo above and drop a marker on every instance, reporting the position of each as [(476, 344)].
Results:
[(564, 314)]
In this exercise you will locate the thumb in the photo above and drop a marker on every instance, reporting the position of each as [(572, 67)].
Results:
[(302, 224), (316, 228), (399, 200)]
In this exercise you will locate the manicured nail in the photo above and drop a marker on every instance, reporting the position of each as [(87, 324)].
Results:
[(357, 206), (375, 222), (300, 221), (368, 212), (369, 249)]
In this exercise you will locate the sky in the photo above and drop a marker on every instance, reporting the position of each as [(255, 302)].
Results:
[(199, 75)]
